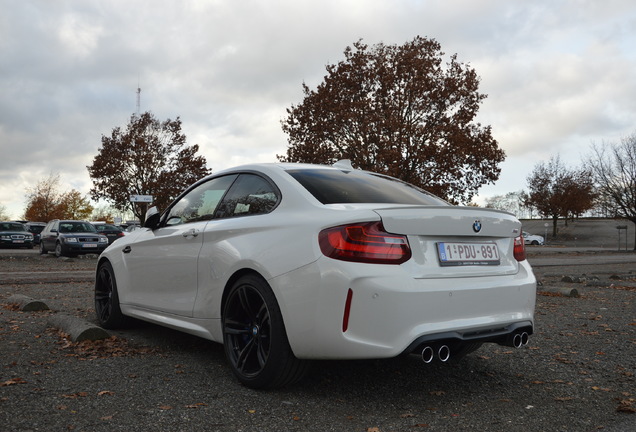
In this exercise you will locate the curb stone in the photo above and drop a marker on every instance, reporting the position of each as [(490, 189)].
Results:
[(27, 304), (77, 328)]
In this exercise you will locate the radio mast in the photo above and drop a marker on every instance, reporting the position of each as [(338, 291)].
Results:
[(138, 99)]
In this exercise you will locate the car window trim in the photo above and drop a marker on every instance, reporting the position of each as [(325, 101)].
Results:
[(279, 196), (267, 180)]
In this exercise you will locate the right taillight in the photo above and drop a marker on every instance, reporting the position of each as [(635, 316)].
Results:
[(366, 242), (520, 249)]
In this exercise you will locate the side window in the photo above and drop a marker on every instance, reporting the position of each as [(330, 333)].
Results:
[(201, 202), (249, 195)]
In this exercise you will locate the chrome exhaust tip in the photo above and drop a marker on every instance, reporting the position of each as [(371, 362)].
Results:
[(443, 353), (427, 354)]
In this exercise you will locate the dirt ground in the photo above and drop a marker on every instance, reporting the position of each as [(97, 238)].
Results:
[(577, 373)]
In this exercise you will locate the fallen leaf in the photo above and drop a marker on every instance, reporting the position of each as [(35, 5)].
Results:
[(105, 393), (13, 381), (75, 395), (626, 406)]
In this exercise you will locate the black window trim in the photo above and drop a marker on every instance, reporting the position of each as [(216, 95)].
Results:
[(166, 212)]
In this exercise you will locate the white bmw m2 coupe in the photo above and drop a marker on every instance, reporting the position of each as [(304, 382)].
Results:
[(284, 263)]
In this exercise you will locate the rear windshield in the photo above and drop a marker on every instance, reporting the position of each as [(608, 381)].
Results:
[(348, 187)]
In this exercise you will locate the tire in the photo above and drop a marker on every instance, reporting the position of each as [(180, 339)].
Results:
[(59, 252), (107, 305), (43, 250), (254, 337), (535, 243)]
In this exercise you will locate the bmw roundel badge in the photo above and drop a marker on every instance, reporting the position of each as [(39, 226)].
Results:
[(477, 226)]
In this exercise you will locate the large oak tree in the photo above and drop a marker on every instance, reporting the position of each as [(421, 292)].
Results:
[(401, 111), (149, 157)]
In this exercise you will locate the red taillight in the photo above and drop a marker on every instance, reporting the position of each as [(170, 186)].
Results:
[(520, 249), (364, 242)]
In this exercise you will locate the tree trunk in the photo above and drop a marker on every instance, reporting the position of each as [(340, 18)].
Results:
[(555, 220)]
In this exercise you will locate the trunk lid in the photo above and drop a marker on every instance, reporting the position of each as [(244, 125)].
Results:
[(448, 241)]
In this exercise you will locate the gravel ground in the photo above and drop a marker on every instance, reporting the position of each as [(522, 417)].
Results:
[(577, 374)]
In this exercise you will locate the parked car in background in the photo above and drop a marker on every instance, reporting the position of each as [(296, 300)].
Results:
[(131, 228), (111, 231), (35, 228), (284, 263), (15, 234), (532, 239), (71, 237)]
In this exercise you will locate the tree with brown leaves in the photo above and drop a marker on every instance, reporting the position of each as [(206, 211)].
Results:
[(45, 202), (149, 157), (556, 191), (398, 110)]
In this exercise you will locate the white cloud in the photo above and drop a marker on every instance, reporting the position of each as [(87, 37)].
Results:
[(558, 75)]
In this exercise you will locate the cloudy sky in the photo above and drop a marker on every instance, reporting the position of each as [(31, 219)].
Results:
[(559, 75)]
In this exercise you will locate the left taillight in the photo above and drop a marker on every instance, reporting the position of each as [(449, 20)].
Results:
[(364, 242), (520, 248)]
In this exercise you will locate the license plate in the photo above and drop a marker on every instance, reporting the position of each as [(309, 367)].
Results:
[(89, 245), (460, 254), (18, 241)]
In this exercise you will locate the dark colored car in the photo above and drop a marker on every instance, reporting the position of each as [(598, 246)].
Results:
[(111, 231), (15, 234), (35, 228), (71, 237)]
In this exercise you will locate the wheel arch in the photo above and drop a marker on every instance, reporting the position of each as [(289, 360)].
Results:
[(232, 280)]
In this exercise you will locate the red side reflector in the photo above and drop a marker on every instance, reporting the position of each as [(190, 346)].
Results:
[(520, 249), (364, 242), (347, 310)]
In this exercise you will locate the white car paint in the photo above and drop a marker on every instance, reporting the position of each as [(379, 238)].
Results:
[(177, 275), (532, 239)]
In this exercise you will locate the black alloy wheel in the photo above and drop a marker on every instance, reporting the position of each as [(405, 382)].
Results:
[(107, 298), (254, 337)]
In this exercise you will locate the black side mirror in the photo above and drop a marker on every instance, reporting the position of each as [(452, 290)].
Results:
[(153, 218)]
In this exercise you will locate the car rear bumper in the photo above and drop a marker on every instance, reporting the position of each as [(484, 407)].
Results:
[(390, 312)]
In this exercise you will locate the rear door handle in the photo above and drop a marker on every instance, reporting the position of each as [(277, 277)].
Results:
[(127, 249)]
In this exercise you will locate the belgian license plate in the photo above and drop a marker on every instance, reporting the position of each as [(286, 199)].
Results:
[(460, 254), (89, 245)]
